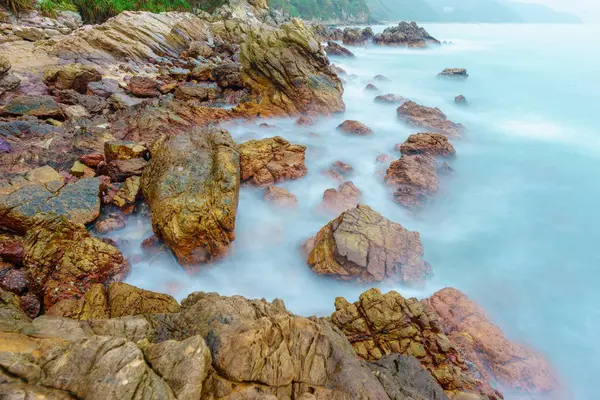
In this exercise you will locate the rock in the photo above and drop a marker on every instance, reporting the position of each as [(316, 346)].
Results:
[(120, 170), (327, 32), (30, 304), (124, 150), (228, 76), (78, 201), (153, 246), (290, 73), (280, 197), (384, 158), (371, 88), (35, 176), (122, 101), (334, 49), (91, 103), (461, 100), (191, 185), (389, 99), (432, 144), (272, 160), (203, 73), (429, 118), (124, 299), (196, 91), (199, 49), (34, 106), (381, 78), (103, 88), (143, 86), (127, 195), (15, 281), (112, 222), (63, 260), (339, 170), (5, 147), (354, 128), (71, 76), (362, 245), (81, 170), (11, 248), (5, 65), (76, 112), (415, 179), (498, 359), (383, 324), (355, 36), (29, 33), (17, 391), (454, 73), (403, 377), (405, 34), (346, 197), (9, 82), (91, 160), (93, 305), (304, 120)]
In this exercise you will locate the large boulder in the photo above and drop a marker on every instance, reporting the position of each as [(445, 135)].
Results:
[(429, 118), (433, 144), (414, 178), (383, 324), (33, 106), (362, 245), (503, 362), (71, 76), (272, 160), (287, 69), (405, 34), (63, 260), (191, 185)]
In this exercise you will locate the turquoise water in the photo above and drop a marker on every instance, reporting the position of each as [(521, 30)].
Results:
[(516, 227)]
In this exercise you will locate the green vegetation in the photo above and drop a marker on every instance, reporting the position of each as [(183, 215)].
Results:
[(323, 9), (101, 10), (49, 8), (18, 5)]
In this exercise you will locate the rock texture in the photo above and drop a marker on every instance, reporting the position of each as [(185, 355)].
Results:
[(499, 360), (191, 185), (432, 144), (414, 178), (390, 99), (280, 197), (383, 324), (454, 73), (352, 127), (405, 34), (71, 76), (272, 160), (429, 118), (362, 245), (334, 49), (345, 197)]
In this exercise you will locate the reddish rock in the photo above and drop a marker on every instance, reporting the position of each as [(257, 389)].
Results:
[(112, 222), (389, 99), (11, 248), (498, 359), (415, 179), (371, 88), (339, 170), (268, 161), (304, 121), (354, 128), (143, 86), (429, 118), (15, 281), (280, 197), (31, 305), (120, 170), (153, 246), (362, 245), (432, 144), (345, 197), (91, 160), (384, 159)]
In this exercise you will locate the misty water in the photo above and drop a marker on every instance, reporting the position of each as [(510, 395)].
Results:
[(515, 228)]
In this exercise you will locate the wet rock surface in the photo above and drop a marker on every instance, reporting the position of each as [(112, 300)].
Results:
[(405, 34), (414, 179), (429, 118), (362, 245)]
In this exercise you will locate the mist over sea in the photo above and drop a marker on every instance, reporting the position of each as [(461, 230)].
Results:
[(516, 227)]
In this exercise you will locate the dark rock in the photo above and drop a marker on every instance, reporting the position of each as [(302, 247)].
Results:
[(334, 49), (461, 100), (228, 76), (120, 170), (11, 248), (405, 34), (5, 147), (31, 305), (372, 88), (354, 128), (15, 281), (454, 73)]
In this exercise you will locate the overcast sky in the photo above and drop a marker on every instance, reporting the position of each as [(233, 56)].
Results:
[(588, 10)]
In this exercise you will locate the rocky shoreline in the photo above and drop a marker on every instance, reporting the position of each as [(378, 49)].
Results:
[(101, 122)]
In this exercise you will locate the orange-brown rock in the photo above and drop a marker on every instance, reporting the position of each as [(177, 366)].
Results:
[(63, 260), (501, 361), (429, 118), (272, 160), (362, 245), (143, 86), (112, 222), (280, 197), (414, 178), (432, 144), (381, 324), (345, 197), (352, 127), (191, 185), (71, 76), (123, 150)]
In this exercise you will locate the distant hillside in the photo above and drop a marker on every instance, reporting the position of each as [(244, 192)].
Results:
[(324, 10), (493, 11)]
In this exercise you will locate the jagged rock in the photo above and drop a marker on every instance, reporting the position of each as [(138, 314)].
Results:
[(80, 170), (288, 70), (389, 99), (143, 86), (196, 91), (334, 49), (122, 101), (92, 305), (200, 49), (461, 100), (112, 222), (35, 176), (128, 194), (29, 33), (339, 170), (76, 111), (11, 248), (429, 118), (346, 197), (228, 76), (124, 150), (432, 144), (120, 170), (405, 34), (498, 359), (454, 73), (191, 185), (15, 281), (354, 128), (91, 160), (356, 36), (71, 76), (280, 197), (31, 305), (124, 299), (327, 32), (34, 106), (63, 260), (272, 160), (371, 88), (415, 179), (362, 245), (382, 324), (78, 201)]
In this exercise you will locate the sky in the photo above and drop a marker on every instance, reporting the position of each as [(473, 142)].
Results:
[(588, 10)]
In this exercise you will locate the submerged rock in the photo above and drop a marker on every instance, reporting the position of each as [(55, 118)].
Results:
[(334, 49), (345, 197), (389, 99), (272, 160), (362, 245), (354, 128), (433, 144), (429, 118), (414, 178), (461, 100), (405, 34), (281, 197), (191, 185)]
